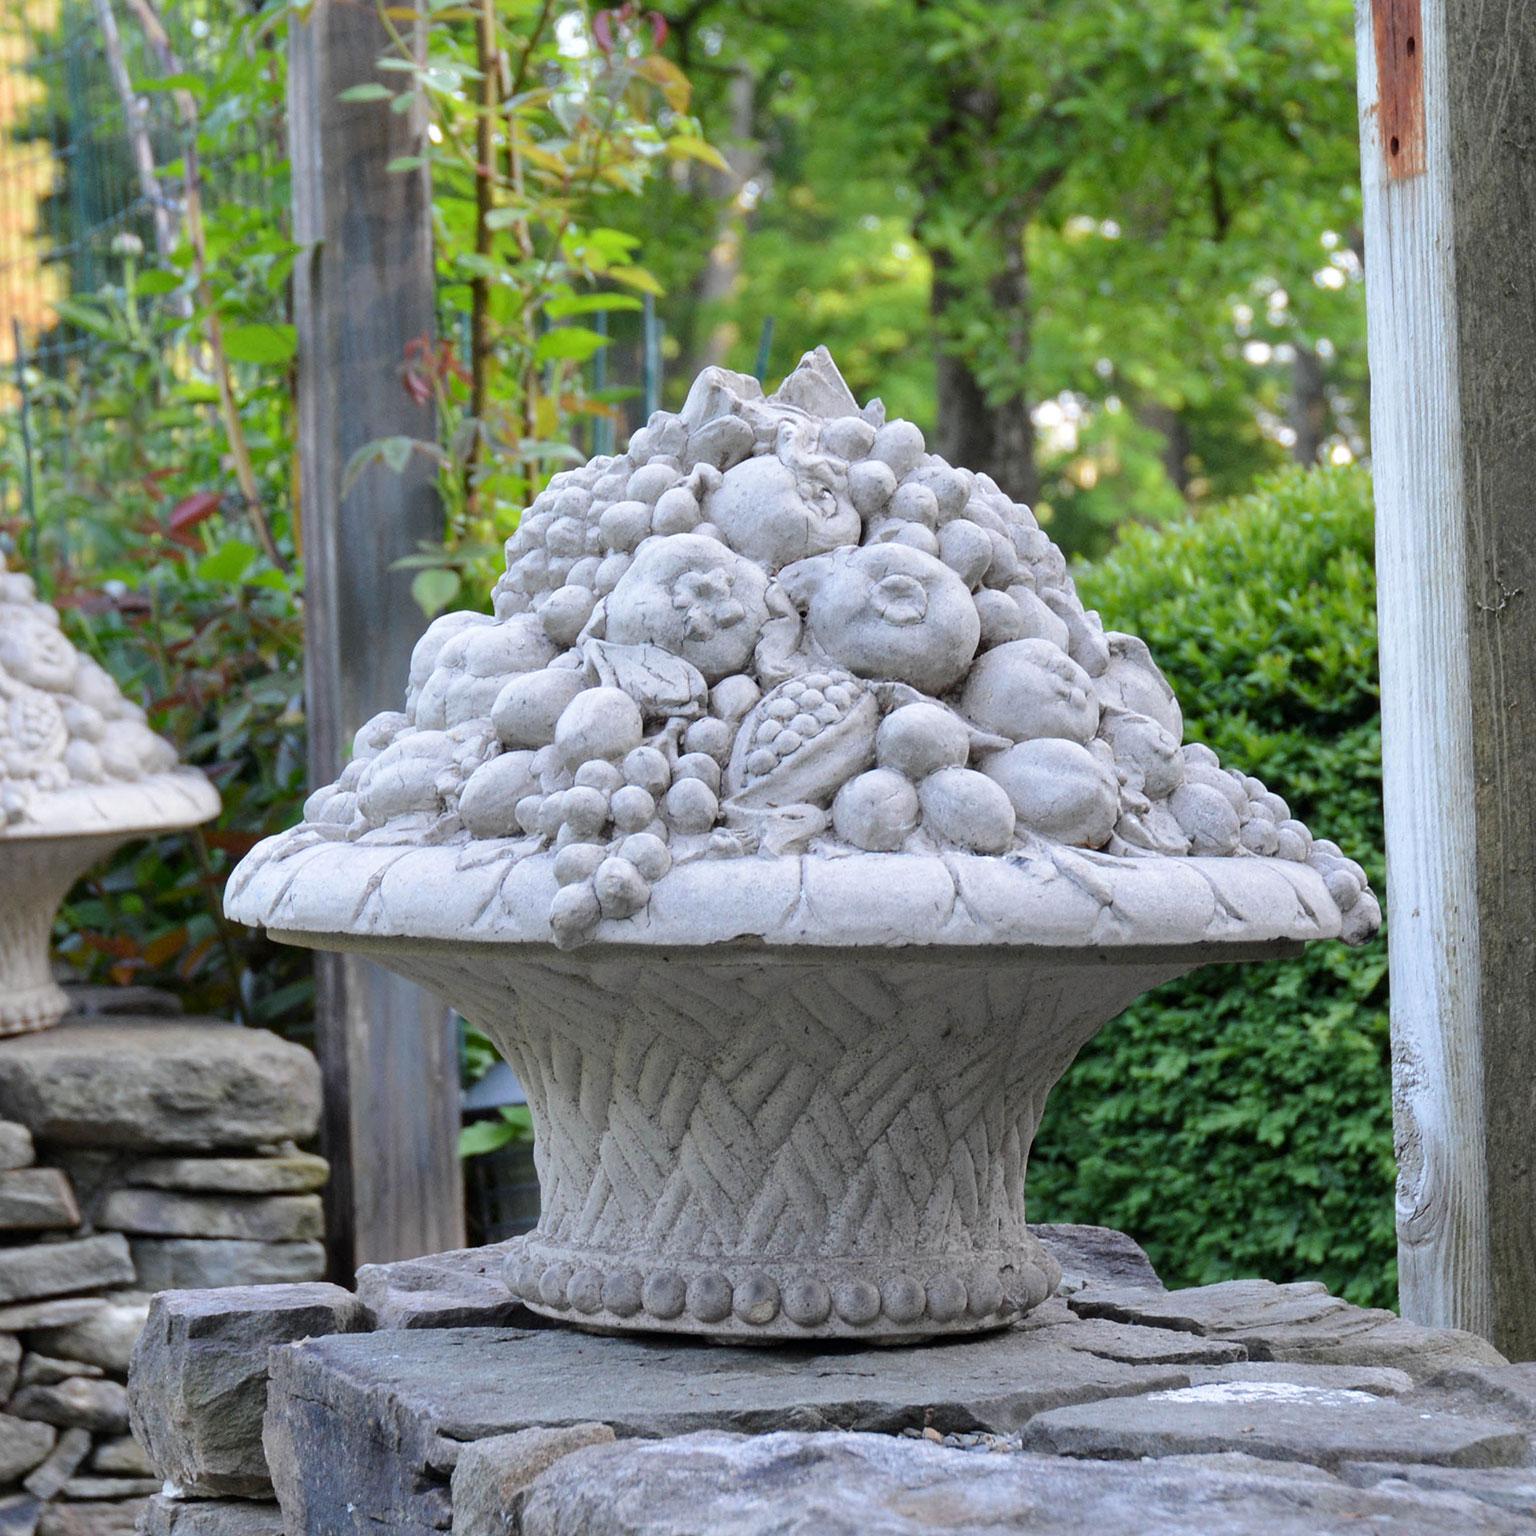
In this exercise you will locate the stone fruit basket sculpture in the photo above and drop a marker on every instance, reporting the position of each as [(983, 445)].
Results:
[(789, 828), (80, 774)]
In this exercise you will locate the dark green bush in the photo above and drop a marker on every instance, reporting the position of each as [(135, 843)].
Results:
[(1239, 1122)]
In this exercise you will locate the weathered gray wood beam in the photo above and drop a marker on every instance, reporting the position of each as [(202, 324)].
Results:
[(1448, 138), (363, 290)]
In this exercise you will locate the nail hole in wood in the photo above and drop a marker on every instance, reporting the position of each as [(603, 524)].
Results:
[(1412, 46), (1394, 146)]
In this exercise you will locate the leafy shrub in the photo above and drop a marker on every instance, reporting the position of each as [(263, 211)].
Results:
[(1239, 1121)]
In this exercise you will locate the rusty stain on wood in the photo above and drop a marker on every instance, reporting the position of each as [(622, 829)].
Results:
[(1400, 85)]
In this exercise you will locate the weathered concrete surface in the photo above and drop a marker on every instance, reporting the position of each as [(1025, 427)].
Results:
[(1299, 1322), (492, 1475), (105, 1517), (866, 1485), (199, 1378), (362, 1431), (154, 1084), (1275, 1420)]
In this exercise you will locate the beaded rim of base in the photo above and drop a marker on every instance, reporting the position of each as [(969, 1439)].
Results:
[(739, 1300), (36, 1008)]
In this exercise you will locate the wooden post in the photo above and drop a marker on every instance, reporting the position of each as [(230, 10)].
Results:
[(363, 290), (1448, 124)]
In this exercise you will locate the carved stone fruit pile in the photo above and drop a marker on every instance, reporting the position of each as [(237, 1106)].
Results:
[(63, 722), (776, 626)]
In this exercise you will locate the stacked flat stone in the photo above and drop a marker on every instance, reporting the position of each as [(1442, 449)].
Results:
[(429, 1402), (135, 1154)]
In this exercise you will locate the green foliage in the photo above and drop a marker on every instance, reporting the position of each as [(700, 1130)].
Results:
[(544, 127), (1239, 1121), (1142, 214), (154, 546), (514, 1123)]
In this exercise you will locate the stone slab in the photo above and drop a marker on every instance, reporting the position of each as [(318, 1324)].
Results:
[(492, 1476), (123, 1456), (36, 1200), (24, 1444), (1489, 1391), (367, 1427), (463, 1288), (170, 1213), (91, 999), (867, 1485), (72, 1447), (211, 1517), (82, 1402), (1378, 1380), (104, 1517), (45, 1370), (1096, 1256), (1294, 1322), (104, 1337), (199, 1379), (15, 1145), (286, 1173), (56, 1269), (1143, 1346), (156, 1084), (202, 1263), (1274, 1420), (1509, 1488), (89, 1487), (10, 1364), (48, 1314)]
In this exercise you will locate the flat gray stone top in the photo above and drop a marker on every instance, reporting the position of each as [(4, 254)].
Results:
[(159, 1084), (866, 1485), (464, 1384)]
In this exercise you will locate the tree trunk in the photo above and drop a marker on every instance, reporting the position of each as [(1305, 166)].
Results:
[(975, 431), (1309, 406), (1171, 427), (721, 272)]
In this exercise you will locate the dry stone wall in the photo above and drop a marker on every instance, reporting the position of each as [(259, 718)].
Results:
[(430, 1402), (136, 1153)]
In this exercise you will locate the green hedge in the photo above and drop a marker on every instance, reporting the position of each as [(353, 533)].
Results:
[(1239, 1122)]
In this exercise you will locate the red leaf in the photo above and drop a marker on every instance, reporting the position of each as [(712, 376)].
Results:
[(602, 31), (192, 510), (658, 28)]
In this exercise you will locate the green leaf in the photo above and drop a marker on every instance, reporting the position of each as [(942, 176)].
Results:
[(262, 343), (434, 590), (153, 283), (589, 304), (228, 563), (485, 1136), (406, 163), (568, 341), (370, 90)]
